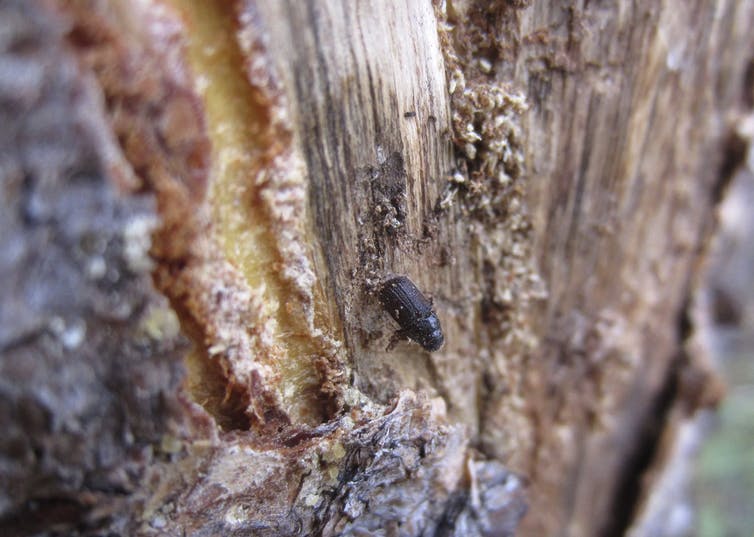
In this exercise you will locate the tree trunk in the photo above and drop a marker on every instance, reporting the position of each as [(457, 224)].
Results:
[(202, 200)]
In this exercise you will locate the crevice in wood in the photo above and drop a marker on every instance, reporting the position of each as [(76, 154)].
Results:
[(748, 85), (734, 152), (647, 441)]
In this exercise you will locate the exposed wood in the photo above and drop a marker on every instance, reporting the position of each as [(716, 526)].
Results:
[(548, 174)]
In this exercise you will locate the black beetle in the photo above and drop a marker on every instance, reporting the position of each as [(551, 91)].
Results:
[(413, 312)]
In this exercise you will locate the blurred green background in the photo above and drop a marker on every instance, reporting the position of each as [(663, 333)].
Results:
[(723, 482)]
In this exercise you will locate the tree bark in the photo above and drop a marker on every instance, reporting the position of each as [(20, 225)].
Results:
[(201, 201)]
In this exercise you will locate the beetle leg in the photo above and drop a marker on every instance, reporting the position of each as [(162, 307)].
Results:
[(397, 337)]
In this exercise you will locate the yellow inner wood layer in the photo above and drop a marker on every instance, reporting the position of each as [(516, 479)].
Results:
[(236, 125)]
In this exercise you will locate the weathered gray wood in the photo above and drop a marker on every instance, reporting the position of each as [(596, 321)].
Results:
[(622, 156)]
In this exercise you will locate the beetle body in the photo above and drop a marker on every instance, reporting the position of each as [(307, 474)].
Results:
[(413, 312)]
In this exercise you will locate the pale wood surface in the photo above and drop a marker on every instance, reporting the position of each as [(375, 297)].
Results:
[(624, 149)]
